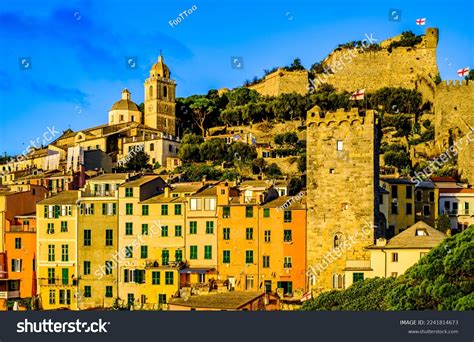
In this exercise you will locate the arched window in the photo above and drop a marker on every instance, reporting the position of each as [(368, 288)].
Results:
[(337, 241), (165, 91), (150, 92), (338, 281)]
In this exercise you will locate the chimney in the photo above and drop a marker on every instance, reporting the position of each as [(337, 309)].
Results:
[(381, 242), (167, 191)]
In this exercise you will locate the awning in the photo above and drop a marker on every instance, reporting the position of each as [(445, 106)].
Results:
[(195, 270)]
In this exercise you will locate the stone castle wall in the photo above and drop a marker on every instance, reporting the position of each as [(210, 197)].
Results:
[(408, 67), (454, 120), (283, 82), (341, 190)]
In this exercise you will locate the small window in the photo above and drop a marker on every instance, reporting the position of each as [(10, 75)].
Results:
[(249, 233), (287, 216), (357, 277), (408, 209), (164, 231), (340, 145), (394, 257), (193, 227), (268, 235), (419, 195), (178, 230), (409, 192), (226, 257), (266, 212), (177, 209), (193, 252), (17, 243), (226, 212), (128, 208), (337, 241), (226, 233), (128, 192), (432, 196), (248, 211), (145, 210), (394, 189), (287, 235), (426, 210)]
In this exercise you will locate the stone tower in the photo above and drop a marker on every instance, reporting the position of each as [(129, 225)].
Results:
[(342, 186), (160, 97)]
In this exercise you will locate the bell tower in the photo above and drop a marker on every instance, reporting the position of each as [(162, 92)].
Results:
[(160, 98)]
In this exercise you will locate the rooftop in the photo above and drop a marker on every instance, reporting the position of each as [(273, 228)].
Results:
[(419, 235), (110, 177), (64, 197), (456, 191), (233, 300), (140, 181), (397, 181), (293, 202)]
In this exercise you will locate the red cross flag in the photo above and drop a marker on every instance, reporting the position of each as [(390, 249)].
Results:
[(421, 21), (358, 95), (463, 72)]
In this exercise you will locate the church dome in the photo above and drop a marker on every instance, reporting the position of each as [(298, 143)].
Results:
[(160, 68), (125, 102)]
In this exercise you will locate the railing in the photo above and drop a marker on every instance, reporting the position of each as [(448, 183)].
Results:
[(21, 228), (101, 193), (451, 212)]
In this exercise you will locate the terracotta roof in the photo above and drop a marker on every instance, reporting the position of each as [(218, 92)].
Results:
[(211, 191), (442, 179), (233, 300), (410, 239), (456, 190)]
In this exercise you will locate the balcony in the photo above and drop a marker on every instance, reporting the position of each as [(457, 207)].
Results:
[(100, 193), (21, 228), (9, 294), (452, 212)]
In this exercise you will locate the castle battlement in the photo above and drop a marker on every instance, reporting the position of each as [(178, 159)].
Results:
[(317, 116), (454, 84)]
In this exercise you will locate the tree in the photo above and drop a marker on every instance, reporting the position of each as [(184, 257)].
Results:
[(294, 186), (470, 75), (138, 161), (242, 152), (241, 97), (443, 223), (273, 171), (213, 150), (231, 116), (201, 109), (296, 65), (302, 163), (399, 159), (259, 165), (291, 138)]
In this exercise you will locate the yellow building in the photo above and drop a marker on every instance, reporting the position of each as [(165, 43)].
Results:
[(393, 257), (133, 240), (426, 203), (97, 241), (201, 236), (401, 204), (162, 253), (57, 254)]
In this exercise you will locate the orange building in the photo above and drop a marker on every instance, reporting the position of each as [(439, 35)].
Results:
[(261, 245), (20, 245)]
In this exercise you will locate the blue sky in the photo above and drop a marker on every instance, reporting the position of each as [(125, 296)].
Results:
[(78, 49)]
